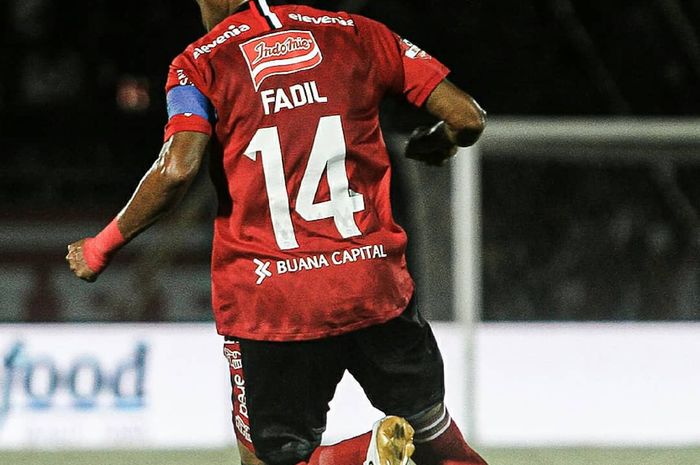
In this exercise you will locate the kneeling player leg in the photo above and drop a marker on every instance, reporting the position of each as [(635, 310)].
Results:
[(280, 394), (348, 452), (400, 367), (389, 443), (438, 440)]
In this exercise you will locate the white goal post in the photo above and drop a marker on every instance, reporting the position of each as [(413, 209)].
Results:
[(639, 139)]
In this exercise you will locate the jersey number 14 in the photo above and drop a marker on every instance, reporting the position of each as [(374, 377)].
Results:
[(328, 154)]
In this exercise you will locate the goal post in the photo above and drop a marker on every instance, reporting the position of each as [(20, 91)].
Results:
[(466, 227), (595, 140)]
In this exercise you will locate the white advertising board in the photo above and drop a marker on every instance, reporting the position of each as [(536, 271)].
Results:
[(104, 386), (167, 386), (138, 386), (617, 384)]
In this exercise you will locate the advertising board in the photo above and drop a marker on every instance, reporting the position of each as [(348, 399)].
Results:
[(167, 386)]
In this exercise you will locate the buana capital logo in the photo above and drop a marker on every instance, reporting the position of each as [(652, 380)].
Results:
[(38, 381), (262, 271)]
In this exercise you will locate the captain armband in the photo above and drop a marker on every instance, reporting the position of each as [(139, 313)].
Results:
[(188, 110)]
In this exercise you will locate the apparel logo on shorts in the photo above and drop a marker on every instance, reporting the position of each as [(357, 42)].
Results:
[(233, 356), (262, 270), (280, 53)]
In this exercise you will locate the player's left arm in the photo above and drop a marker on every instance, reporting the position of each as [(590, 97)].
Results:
[(422, 79), (462, 122), (163, 186)]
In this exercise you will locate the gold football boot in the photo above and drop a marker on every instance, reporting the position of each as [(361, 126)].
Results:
[(391, 443)]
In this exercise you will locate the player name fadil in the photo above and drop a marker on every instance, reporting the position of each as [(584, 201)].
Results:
[(296, 96), (337, 258)]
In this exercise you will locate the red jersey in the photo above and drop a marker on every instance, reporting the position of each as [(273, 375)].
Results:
[(305, 244)]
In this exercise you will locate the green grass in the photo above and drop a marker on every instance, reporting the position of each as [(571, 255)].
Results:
[(494, 456), (576, 456), (195, 457)]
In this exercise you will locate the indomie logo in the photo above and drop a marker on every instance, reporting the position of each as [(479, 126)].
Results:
[(291, 44), (280, 53)]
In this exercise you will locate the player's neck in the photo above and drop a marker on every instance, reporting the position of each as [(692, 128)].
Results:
[(236, 5), (215, 11)]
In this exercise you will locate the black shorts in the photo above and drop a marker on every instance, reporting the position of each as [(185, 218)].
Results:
[(281, 390)]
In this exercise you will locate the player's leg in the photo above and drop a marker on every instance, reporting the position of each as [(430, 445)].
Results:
[(399, 366), (439, 441), (349, 452), (389, 443), (280, 400)]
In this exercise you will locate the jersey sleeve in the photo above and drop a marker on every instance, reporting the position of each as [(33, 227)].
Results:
[(403, 66), (188, 107), (422, 72)]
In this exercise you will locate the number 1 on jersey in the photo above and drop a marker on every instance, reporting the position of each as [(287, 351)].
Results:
[(328, 154)]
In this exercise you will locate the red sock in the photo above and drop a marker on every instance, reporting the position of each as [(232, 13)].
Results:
[(349, 452), (449, 448)]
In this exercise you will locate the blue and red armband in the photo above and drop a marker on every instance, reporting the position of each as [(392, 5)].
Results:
[(188, 110)]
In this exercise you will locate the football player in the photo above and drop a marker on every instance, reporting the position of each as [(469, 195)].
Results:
[(309, 273)]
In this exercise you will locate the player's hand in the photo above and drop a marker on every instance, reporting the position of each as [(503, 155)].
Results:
[(430, 145), (77, 263)]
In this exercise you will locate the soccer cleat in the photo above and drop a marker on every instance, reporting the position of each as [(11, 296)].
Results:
[(391, 443)]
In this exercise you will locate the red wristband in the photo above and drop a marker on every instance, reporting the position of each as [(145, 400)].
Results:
[(99, 249)]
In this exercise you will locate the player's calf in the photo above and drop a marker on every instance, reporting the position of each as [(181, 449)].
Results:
[(438, 439), (430, 423)]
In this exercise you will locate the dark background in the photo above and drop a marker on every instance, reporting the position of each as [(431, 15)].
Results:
[(82, 111)]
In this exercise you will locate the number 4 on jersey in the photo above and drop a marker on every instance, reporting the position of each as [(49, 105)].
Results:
[(328, 154)]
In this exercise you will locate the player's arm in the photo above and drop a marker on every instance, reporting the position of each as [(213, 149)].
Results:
[(462, 121), (163, 186)]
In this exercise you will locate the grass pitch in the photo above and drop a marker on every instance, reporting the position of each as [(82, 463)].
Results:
[(494, 456)]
